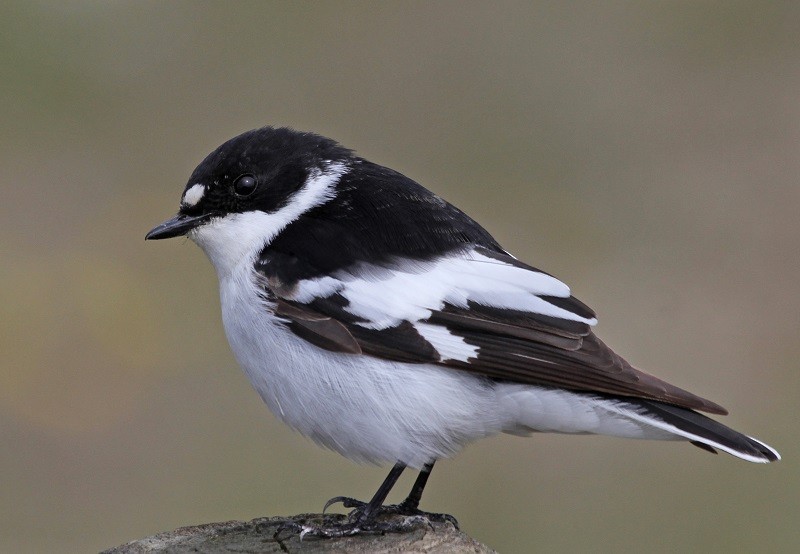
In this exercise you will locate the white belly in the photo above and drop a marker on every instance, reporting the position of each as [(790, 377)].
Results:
[(365, 408)]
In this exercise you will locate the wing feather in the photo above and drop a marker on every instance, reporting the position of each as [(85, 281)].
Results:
[(478, 310), (320, 330)]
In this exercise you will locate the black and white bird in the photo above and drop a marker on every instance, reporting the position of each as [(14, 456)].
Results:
[(385, 324)]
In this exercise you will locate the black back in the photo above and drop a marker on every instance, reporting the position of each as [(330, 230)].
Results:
[(378, 214)]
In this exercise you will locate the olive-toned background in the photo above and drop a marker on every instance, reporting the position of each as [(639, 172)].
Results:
[(646, 153)]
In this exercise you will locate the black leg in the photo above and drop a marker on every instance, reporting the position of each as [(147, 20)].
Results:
[(410, 506), (371, 507), (363, 519), (412, 500), (374, 505)]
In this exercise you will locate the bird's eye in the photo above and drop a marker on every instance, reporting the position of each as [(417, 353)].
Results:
[(244, 185)]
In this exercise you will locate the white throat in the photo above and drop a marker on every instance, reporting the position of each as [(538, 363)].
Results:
[(237, 238)]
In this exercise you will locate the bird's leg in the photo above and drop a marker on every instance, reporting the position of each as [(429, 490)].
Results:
[(379, 497), (370, 509), (412, 500), (363, 518), (408, 507)]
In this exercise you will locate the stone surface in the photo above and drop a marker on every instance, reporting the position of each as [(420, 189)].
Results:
[(259, 535)]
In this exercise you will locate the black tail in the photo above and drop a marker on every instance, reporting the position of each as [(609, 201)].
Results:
[(704, 432)]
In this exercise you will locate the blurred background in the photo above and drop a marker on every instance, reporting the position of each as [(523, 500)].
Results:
[(646, 153)]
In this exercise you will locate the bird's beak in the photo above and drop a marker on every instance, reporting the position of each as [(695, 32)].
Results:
[(177, 226)]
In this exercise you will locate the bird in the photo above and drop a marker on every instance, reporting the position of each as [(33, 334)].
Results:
[(384, 323)]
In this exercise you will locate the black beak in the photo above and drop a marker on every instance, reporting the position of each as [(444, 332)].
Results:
[(176, 227)]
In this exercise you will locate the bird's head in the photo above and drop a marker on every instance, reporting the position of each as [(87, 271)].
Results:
[(251, 187)]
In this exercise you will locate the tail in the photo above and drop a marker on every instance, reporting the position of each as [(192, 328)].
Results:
[(701, 431), (549, 410)]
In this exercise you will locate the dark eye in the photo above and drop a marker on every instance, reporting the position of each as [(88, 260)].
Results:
[(244, 185)]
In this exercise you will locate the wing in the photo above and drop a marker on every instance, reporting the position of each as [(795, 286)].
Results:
[(475, 309)]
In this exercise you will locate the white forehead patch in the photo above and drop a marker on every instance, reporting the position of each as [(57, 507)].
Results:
[(192, 196)]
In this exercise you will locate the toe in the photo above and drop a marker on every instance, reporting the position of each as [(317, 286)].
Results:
[(346, 501)]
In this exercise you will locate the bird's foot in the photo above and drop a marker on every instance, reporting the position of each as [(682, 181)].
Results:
[(348, 527), (405, 508)]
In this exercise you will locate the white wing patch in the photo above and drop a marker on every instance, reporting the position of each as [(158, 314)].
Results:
[(448, 345), (383, 297)]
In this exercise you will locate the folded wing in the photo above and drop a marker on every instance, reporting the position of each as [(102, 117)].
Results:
[(475, 310)]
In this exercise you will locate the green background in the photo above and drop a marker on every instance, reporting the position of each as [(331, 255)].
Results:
[(646, 153)]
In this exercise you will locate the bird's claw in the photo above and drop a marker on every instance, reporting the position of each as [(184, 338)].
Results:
[(429, 516), (350, 528), (402, 509), (346, 501)]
